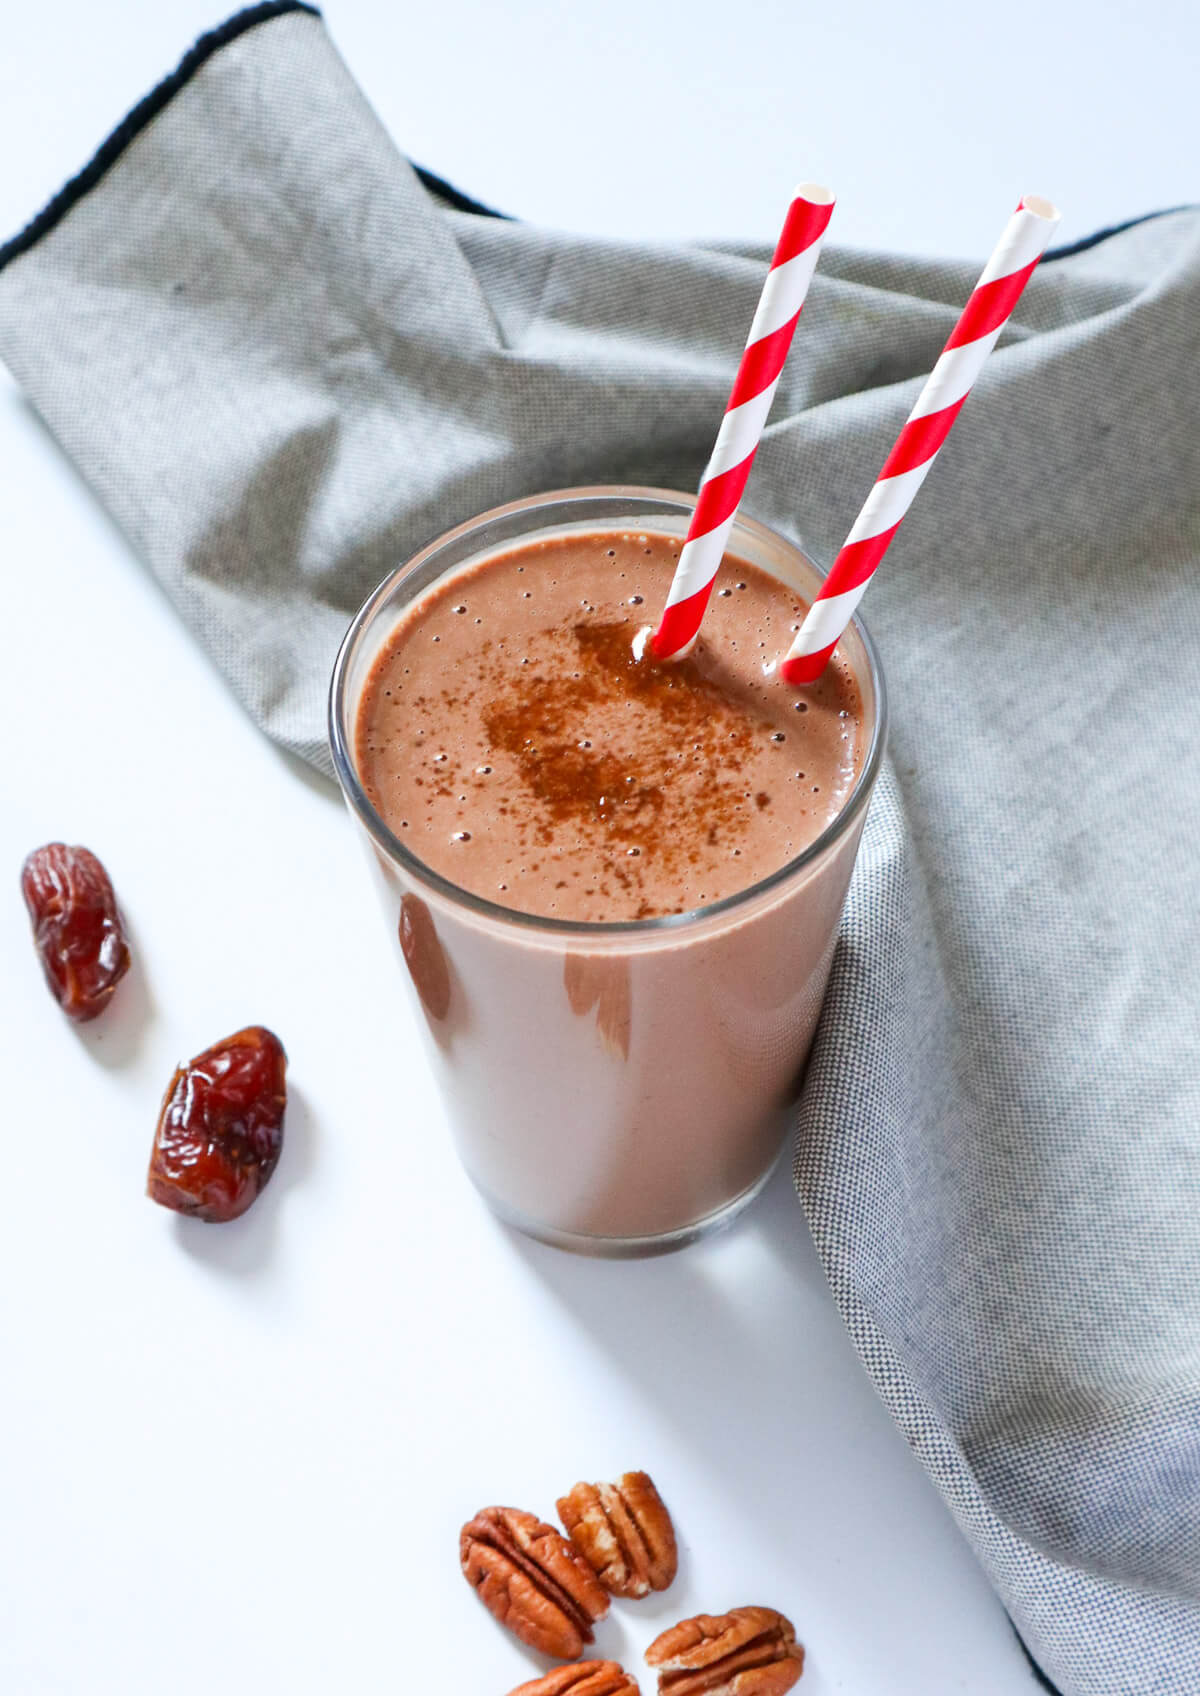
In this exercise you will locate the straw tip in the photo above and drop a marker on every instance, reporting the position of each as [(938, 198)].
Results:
[(815, 193), (1041, 207), (797, 670), (662, 644)]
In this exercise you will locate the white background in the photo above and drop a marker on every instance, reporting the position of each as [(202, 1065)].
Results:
[(238, 1457)]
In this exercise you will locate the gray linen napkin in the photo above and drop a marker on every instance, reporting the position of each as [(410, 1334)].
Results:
[(283, 364)]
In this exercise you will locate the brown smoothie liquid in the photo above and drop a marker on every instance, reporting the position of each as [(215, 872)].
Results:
[(509, 735)]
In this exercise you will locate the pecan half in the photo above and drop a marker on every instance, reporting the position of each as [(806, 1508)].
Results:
[(624, 1532), (585, 1678), (746, 1652), (532, 1580)]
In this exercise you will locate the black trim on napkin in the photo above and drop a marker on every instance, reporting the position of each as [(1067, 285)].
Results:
[(111, 149), (1036, 1670), (132, 125), (454, 198), (1097, 236)]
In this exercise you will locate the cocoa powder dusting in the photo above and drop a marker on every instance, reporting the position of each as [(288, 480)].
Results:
[(527, 754), (578, 783)]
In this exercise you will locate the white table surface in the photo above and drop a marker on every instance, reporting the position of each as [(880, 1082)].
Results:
[(238, 1457)]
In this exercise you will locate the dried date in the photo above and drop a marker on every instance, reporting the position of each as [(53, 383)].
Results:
[(584, 1678), (220, 1130), (77, 929)]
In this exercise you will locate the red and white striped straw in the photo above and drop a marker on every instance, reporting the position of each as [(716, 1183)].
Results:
[(974, 336), (754, 388)]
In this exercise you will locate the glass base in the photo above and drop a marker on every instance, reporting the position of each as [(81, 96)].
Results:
[(630, 1248)]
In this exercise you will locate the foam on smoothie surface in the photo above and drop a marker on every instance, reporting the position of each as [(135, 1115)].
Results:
[(509, 737)]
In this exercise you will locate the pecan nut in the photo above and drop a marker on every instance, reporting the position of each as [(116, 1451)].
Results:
[(746, 1652), (585, 1678), (624, 1532), (532, 1580)]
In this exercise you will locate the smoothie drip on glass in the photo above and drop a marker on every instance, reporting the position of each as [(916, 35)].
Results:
[(511, 736)]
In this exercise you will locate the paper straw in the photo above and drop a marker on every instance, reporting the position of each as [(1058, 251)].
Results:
[(918, 444), (737, 441)]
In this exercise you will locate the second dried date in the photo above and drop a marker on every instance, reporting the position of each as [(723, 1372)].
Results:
[(220, 1130)]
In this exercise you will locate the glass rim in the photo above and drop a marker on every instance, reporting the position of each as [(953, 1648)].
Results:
[(341, 735)]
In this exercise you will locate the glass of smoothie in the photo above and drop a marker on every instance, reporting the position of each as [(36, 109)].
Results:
[(614, 884)]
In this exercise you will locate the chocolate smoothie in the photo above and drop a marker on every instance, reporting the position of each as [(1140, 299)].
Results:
[(523, 742), (614, 884)]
